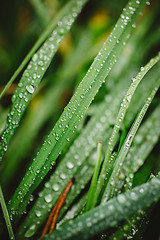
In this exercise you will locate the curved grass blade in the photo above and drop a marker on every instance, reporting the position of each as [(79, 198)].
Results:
[(6, 215), (41, 39), (76, 108), (36, 117), (143, 143), (110, 188), (131, 225), (108, 162), (51, 192), (35, 71), (110, 214), (77, 155), (82, 147)]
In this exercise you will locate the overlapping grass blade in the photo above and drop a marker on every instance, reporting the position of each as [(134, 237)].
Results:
[(76, 160), (35, 71), (108, 162), (142, 145), (110, 214), (110, 188), (38, 115), (76, 108), (75, 210), (82, 176), (84, 146), (40, 40)]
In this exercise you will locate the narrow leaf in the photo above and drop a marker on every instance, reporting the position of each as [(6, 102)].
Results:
[(6, 215), (92, 188), (76, 108), (108, 162), (109, 214), (35, 71), (110, 189)]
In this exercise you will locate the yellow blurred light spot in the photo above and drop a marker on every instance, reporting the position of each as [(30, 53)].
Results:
[(35, 103), (66, 45), (99, 19)]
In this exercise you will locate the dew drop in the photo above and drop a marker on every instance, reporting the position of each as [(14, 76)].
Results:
[(30, 231), (30, 88), (133, 196), (121, 199), (55, 187), (48, 198), (128, 98), (20, 84), (70, 165), (38, 213), (34, 75), (20, 95), (61, 31), (63, 176), (35, 57)]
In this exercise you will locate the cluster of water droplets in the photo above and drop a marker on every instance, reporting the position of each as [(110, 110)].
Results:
[(74, 161), (109, 214), (146, 138), (35, 71)]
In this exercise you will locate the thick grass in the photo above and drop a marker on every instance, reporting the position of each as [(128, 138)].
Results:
[(100, 88)]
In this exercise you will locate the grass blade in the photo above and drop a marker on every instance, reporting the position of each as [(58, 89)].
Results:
[(83, 146), (110, 214), (36, 117), (90, 200), (110, 189), (143, 143), (41, 39), (35, 71), (108, 163), (76, 108), (6, 215)]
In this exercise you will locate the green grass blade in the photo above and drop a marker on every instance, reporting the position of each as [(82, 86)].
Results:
[(133, 224), (75, 210), (143, 143), (3, 119), (50, 195), (83, 145), (36, 70), (110, 214), (92, 188), (36, 117), (76, 108), (41, 39), (110, 189), (108, 163), (6, 215)]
